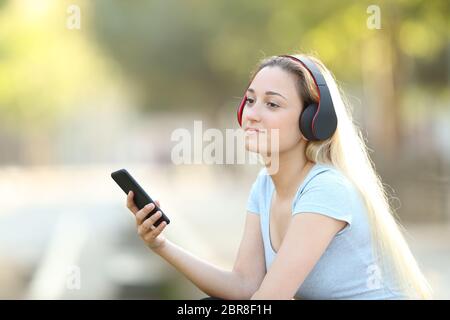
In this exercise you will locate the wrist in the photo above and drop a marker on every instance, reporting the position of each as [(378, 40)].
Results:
[(158, 247)]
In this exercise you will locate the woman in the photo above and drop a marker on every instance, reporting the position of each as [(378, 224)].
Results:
[(320, 226)]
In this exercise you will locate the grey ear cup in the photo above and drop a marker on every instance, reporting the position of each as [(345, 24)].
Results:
[(306, 120)]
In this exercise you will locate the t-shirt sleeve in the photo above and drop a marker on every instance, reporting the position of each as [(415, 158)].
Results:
[(328, 194), (255, 195)]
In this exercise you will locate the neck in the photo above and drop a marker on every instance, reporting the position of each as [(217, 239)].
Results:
[(292, 169)]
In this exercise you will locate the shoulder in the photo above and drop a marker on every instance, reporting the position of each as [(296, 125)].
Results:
[(257, 192), (261, 178), (326, 177), (327, 191)]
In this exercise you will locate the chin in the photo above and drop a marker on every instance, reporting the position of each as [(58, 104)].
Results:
[(254, 148), (251, 148)]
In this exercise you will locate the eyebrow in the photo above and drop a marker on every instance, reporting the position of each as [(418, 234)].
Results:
[(272, 93)]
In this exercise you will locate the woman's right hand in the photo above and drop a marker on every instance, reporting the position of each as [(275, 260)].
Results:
[(152, 236)]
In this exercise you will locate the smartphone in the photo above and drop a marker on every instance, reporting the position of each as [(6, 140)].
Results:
[(127, 183)]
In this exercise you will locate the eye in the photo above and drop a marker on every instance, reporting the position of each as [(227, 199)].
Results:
[(273, 105), (249, 100)]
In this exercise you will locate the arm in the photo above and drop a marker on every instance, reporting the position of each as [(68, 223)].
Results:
[(240, 283), (250, 262), (207, 277), (306, 239)]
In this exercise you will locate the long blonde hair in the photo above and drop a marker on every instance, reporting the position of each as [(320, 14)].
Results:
[(346, 150)]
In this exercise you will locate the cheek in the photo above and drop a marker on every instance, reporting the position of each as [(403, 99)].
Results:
[(287, 125), (289, 131)]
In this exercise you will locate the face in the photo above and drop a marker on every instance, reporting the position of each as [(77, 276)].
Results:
[(273, 103)]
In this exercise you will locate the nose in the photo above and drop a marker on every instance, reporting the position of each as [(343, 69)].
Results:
[(251, 113)]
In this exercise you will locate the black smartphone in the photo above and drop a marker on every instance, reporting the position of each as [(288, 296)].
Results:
[(127, 183)]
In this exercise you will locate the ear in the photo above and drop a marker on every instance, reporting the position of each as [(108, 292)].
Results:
[(302, 137)]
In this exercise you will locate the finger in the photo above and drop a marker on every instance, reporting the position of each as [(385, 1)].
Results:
[(155, 232), (143, 213), (144, 229), (157, 203), (130, 202), (147, 224)]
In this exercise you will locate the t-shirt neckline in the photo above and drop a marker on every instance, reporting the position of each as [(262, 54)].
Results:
[(272, 186)]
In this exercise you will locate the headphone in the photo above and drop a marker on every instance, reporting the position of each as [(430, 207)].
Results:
[(317, 121)]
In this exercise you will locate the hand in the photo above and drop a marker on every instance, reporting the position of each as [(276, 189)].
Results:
[(151, 235)]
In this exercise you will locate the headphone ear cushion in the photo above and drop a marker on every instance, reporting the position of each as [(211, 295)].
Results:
[(306, 120), (240, 110)]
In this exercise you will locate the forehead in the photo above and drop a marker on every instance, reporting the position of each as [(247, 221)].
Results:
[(274, 78)]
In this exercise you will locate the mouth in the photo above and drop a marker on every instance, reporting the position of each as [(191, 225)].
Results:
[(251, 131)]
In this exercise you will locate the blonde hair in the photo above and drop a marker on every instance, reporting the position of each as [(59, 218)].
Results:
[(346, 150)]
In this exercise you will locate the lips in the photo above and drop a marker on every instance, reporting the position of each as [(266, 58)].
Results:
[(252, 131)]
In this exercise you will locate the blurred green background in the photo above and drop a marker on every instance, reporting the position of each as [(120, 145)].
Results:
[(78, 103)]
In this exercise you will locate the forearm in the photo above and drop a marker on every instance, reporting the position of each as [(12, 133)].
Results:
[(210, 279)]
